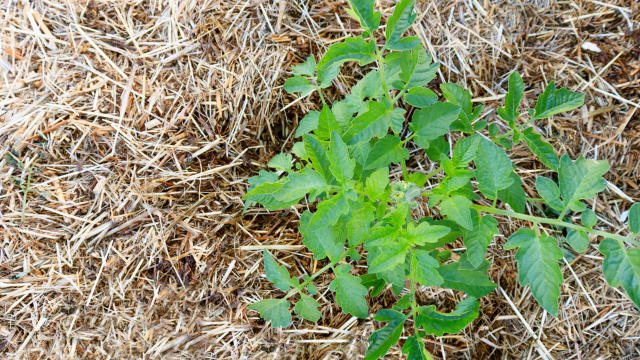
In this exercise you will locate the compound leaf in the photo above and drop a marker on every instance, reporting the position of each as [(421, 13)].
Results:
[(538, 267), (274, 310)]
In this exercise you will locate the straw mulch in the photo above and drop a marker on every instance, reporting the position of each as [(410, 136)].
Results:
[(128, 130)]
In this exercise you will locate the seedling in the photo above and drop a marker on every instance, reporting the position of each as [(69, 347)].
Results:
[(342, 165)]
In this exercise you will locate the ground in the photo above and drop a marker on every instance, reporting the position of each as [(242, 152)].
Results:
[(128, 130)]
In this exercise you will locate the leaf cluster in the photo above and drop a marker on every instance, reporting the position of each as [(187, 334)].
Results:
[(341, 163)]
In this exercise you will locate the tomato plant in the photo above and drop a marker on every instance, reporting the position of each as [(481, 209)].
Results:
[(342, 163)]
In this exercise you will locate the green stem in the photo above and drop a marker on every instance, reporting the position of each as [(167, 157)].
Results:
[(557, 222), (434, 172), (316, 274), (405, 172)]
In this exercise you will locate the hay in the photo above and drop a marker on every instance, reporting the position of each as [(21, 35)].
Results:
[(128, 130)]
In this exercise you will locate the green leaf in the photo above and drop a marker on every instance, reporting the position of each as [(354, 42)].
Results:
[(350, 294), (514, 195), (322, 241), (329, 211), (264, 194), (580, 179), (512, 100), (306, 68), (409, 68), (622, 267), (414, 348), (420, 97), (326, 124), (456, 208), (318, 155), (553, 101), (493, 169), (364, 13), (300, 184), (432, 122), (401, 19), (371, 123), (263, 177), (386, 151), (277, 274), (437, 323), (342, 164), (298, 84), (352, 49), (578, 239), (425, 269), (549, 191), (589, 218), (359, 223), (474, 282), (385, 253), (542, 149), (308, 123), (461, 97), (465, 150), (538, 267), (281, 162), (478, 239), (634, 218), (383, 339), (376, 184), (274, 310), (298, 150), (424, 233), (307, 308)]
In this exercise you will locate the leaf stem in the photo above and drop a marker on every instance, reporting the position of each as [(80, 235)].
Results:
[(330, 265), (557, 222)]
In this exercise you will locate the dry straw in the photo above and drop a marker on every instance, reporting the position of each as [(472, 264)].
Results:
[(128, 129)]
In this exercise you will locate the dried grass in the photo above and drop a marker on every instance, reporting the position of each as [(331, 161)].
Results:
[(128, 130)]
